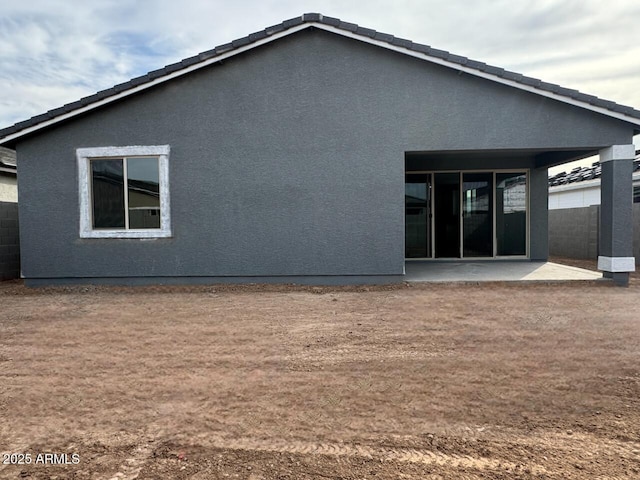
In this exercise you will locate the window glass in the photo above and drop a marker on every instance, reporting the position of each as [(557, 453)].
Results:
[(417, 210), (477, 218), (143, 190), (108, 193), (636, 194), (446, 211), (511, 213)]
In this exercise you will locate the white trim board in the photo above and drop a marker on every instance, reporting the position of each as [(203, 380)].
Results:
[(617, 264), (618, 152), (337, 31)]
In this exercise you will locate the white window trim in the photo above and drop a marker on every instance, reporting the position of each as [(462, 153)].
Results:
[(84, 156)]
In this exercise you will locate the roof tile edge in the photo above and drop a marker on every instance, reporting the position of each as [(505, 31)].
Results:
[(318, 18)]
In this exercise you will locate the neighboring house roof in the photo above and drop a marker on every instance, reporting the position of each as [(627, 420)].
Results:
[(582, 174), (334, 25), (8, 162), (9, 170)]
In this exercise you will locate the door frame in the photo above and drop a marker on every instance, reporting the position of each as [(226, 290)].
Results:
[(432, 218)]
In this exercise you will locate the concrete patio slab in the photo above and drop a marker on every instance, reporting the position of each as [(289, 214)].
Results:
[(494, 271)]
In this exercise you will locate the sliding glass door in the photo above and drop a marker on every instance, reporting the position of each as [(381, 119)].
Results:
[(477, 214), (447, 214), (511, 213), (417, 196), (466, 214)]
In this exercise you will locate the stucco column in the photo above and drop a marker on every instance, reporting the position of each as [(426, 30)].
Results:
[(616, 228), (539, 214)]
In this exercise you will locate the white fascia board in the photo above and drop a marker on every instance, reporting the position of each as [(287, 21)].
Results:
[(337, 31)]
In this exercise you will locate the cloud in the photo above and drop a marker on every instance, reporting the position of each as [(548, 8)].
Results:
[(48, 59), (54, 51)]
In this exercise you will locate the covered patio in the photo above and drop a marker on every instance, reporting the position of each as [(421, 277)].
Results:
[(495, 271), (465, 208)]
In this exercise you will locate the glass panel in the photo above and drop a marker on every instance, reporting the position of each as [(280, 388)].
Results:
[(143, 188), (417, 216), (107, 186), (477, 198), (636, 194), (447, 214), (511, 213)]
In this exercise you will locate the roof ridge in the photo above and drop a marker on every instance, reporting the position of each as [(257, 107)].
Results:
[(334, 23)]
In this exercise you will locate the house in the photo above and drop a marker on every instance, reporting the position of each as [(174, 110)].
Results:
[(299, 154), (581, 186), (8, 174), (9, 244)]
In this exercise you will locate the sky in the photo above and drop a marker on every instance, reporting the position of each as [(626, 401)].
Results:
[(54, 52)]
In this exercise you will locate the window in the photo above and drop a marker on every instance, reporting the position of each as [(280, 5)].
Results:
[(636, 194), (124, 192), (511, 213)]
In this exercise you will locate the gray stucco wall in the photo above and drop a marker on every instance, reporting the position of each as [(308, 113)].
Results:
[(539, 214), (9, 243), (573, 232), (287, 160)]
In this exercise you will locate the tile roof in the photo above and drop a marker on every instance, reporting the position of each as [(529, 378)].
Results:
[(8, 162), (7, 158), (332, 24), (8, 169), (581, 174)]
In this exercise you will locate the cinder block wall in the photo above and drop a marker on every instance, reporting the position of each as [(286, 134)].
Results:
[(636, 232), (573, 232), (9, 241)]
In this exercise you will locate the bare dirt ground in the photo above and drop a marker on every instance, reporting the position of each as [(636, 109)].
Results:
[(512, 381)]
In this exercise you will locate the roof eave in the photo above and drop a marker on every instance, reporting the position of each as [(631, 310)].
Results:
[(365, 35), (485, 75), (9, 139)]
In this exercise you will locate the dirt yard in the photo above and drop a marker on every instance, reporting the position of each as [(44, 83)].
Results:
[(405, 382)]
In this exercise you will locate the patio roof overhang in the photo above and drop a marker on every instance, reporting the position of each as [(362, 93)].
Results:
[(506, 158)]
